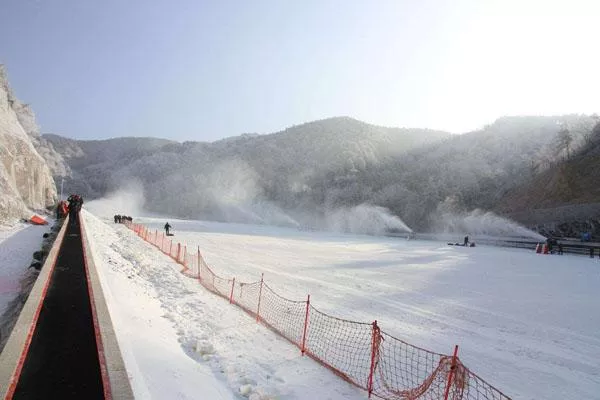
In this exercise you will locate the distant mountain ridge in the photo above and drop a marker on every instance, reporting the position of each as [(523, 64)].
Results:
[(299, 175), (263, 163), (541, 171)]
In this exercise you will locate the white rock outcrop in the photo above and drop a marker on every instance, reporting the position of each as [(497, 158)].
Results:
[(26, 183)]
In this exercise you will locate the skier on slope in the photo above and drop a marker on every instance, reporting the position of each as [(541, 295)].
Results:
[(167, 227)]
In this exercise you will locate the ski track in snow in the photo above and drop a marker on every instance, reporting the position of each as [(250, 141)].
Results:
[(526, 323)]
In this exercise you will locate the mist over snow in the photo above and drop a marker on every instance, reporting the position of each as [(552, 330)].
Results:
[(322, 174), (257, 212), (480, 222), (233, 189), (364, 219), (127, 200)]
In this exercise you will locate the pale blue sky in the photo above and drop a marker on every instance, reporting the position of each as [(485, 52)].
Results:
[(194, 70)]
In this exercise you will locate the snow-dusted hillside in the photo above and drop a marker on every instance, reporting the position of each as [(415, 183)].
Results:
[(25, 179), (242, 178), (90, 166), (305, 173)]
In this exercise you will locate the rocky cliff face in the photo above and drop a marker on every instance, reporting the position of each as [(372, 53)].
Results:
[(25, 180)]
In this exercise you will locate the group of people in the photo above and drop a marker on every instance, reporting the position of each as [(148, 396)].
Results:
[(554, 246), (71, 207), (120, 219)]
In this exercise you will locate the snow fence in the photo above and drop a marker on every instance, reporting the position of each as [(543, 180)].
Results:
[(360, 353)]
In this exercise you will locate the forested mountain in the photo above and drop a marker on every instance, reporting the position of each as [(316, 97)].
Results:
[(244, 178), (88, 165), (304, 173), (564, 199)]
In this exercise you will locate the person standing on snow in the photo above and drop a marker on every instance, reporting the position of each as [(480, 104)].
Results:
[(167, 227)]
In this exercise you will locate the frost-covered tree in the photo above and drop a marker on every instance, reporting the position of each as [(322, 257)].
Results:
[(563, 142)]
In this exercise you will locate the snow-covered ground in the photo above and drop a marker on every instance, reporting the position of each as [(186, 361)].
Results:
[(181, 342), (17, 244), (526, 323)]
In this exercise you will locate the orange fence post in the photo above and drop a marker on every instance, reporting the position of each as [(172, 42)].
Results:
[(231, 295), (199, 270), (303, 348), (451, 374), (375, 338), (178, 251), (184, 256), (259, 296)]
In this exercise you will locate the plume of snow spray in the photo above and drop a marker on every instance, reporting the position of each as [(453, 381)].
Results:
[(233, 186), (364, 219), (125, 201), (479, 222)]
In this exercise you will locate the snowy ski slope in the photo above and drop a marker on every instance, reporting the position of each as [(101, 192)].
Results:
[(525, 322)]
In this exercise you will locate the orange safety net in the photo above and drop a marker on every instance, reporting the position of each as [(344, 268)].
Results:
[(386, 367)]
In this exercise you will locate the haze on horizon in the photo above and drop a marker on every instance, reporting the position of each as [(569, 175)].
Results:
[(191, 70)]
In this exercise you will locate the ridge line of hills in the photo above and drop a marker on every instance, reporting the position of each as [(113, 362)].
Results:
[(340, 172), (301, 173)]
